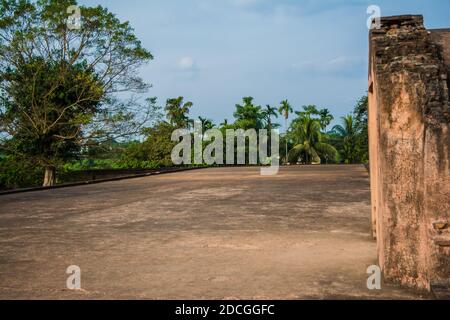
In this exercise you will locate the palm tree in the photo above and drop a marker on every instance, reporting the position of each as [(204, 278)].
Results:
[(361, 114), (207, 124), (325, 118), (348, 133), (306, 132), (268, 112), (224, 124), (324, 114), (310, 109), (177, 112), (285, 110), (248, 116)]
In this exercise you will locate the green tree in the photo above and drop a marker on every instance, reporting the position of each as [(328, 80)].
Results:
[(206, 124), (224, 124), (267, 113), (325, 118), (177, 112), (18, 173), (348, 133), (324, 115), (307, 137), (310, 110), (248, 115), (285, 110), (361, 115), (60, 86), (154, 152)]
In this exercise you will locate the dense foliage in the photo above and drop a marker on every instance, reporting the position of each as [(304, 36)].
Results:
[(60, 86), (307, 140), (71, 99)]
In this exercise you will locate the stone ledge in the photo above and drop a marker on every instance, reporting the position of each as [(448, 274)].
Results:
[(77, 184), (441, 291)]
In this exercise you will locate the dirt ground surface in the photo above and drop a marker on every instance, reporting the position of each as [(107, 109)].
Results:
[(226, 233)]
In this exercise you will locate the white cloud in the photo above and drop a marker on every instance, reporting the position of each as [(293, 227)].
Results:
[(186, 63)]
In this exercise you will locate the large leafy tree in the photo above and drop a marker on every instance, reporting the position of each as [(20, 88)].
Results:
[(39, 128), (309, 146), (60, 86), (155, 151)]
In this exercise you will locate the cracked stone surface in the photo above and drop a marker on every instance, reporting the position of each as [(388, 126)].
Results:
[(224, 233)]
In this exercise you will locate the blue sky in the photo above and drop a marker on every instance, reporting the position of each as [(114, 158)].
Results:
[(214, 52)]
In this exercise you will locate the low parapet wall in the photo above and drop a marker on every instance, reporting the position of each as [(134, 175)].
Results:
[(99, 176)]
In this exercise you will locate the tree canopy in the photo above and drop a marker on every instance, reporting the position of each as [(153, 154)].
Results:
[(62, 86), (309, 146)]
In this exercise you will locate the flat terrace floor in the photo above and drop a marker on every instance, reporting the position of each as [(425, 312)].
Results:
[(225, 233)]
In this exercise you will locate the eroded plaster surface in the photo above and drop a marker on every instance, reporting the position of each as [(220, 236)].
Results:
[(409, 145)]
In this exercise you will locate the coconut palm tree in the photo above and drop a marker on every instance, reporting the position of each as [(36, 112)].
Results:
[(285, 110), (207, 124), (325, 118), (177, 112), (306, 132), (348, 133), (224, 124), (268, 112)]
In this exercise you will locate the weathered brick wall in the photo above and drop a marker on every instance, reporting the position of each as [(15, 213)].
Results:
[(409, 145)]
